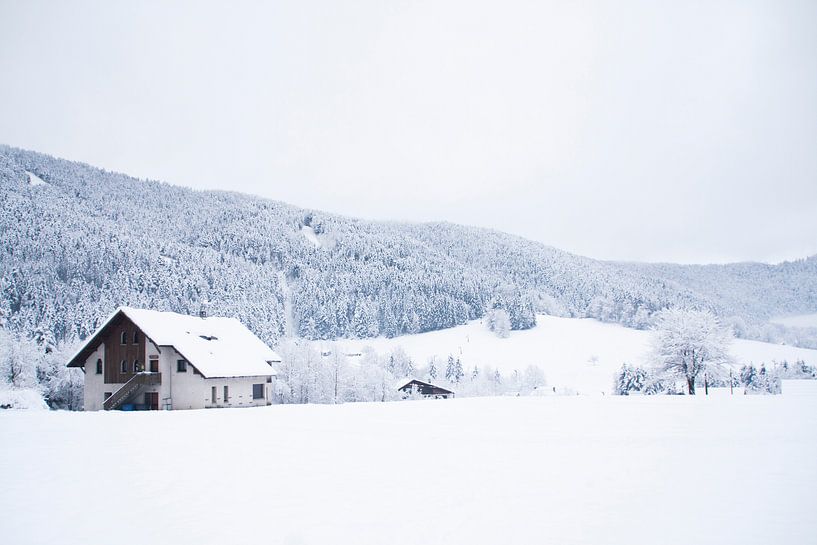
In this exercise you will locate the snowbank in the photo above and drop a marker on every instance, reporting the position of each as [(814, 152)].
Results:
[(22, 399)]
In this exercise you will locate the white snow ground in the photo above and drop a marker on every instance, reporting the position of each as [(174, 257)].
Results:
[(562, 470), (576, 354)]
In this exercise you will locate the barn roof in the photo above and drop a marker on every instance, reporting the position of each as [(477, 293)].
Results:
[(215, 346), (407, 381)]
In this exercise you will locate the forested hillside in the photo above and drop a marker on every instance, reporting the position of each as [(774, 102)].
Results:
[(78, 241)]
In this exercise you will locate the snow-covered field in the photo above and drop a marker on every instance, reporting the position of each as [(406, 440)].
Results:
[(473, 471), (576, 354)]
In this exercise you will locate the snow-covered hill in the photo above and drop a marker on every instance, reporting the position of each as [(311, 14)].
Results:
[(578, 355), (673, 470), (85, 241)]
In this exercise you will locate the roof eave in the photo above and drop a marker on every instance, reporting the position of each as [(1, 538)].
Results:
[(75, 360)]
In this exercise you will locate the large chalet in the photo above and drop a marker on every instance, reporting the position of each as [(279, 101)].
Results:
[(144, 359)]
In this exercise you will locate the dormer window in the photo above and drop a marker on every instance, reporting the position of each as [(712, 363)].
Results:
[(135, 337), (123, 339)]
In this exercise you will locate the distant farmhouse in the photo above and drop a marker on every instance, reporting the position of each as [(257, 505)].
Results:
[(144, 359), (429, 391)]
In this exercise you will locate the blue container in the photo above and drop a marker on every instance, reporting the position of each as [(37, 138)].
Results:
[(128, 407)]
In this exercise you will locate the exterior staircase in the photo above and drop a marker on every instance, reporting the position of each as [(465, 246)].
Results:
[(130, 387)]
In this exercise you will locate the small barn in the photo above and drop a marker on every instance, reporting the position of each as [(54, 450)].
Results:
[(425, 389)]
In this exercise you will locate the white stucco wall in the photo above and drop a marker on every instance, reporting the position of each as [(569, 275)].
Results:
[(95, 386), (178, 390), (193, 391)]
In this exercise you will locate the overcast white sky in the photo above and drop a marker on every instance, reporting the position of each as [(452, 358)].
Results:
[(655, 130)]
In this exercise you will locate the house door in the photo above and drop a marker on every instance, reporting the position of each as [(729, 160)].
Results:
[(152, 400)]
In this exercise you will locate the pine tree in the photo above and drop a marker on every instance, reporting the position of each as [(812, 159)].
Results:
[(629, 379), (451, 369), (458, 371), (432, 370), (748, 377)]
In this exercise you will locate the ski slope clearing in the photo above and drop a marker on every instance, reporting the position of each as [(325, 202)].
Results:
[(576, 469), (33, 179), (309, 234), (578, 355)]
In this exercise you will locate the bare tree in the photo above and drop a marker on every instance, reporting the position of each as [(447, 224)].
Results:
[(690, 342)]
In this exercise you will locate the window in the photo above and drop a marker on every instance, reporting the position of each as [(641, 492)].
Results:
[(226, 397), (137, 367), (123, 339), (258, 391), (181, 366), (124, 366), (213, 395), (107, 395), (135, 337), (99, 367)]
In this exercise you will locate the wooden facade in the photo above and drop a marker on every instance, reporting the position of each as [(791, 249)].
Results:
[(132, 351)]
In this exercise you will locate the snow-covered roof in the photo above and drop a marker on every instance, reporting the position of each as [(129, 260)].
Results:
[(405, 381), (215, 346)]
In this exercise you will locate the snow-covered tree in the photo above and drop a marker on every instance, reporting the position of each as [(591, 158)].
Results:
[(400, 363), (798, 370), (532, 378), (689, 343), (454, 371), (432, 370), (450, 369), (499, 322), (759, 381), (18, 362), (629, 379)]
